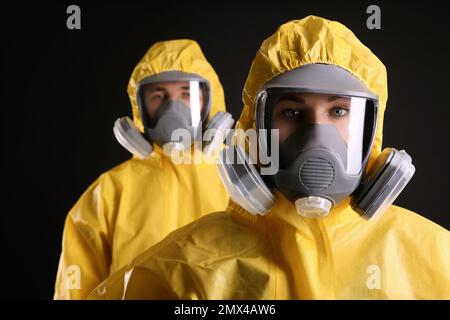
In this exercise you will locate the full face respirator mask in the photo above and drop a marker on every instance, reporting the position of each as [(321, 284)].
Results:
[(327, 120), (177, 123)]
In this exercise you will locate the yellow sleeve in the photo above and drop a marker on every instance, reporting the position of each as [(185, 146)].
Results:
[(86, 251)]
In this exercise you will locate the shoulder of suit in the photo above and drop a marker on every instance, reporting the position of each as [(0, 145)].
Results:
[(413, 226)]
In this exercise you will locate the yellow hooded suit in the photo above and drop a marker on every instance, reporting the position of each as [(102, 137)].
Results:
[(136, 204)]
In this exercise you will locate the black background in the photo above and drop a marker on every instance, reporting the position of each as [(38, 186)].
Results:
[(63, 89)]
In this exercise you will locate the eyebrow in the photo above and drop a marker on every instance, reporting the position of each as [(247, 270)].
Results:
[(164, 89), (158, 89), (292, 98), (332, 98)]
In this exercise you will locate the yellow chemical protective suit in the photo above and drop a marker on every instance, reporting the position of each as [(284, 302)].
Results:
[(282, 255), (136, 204)]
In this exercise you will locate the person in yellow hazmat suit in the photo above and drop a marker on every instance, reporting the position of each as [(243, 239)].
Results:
[(320, 226), (136, 204)]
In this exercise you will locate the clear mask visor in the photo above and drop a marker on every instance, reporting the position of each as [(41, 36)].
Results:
[(343, 123)]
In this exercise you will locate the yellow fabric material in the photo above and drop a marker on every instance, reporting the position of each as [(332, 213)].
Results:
[(282, 255), (136, 204)]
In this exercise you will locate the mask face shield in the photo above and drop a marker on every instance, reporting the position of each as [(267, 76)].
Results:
[(308, 121), (326, 119), (173, 100)]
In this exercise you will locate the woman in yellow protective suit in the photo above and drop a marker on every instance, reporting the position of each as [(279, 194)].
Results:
[(136, 204), (321, 226)]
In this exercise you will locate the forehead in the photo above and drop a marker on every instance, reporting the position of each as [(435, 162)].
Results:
[(167, 86)]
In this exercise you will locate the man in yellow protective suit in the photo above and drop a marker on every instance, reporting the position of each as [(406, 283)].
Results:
[(136, 204), (323, 225)]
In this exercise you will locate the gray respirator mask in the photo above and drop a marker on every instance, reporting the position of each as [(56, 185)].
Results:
[(171, 116), (177, 123), (331, 116)]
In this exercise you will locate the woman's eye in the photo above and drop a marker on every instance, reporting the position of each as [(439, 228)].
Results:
[(339, 112), (185, 95), (293, 114)]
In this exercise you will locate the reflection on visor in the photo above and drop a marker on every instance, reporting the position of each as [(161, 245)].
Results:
[(355, 135), (195, 100)]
